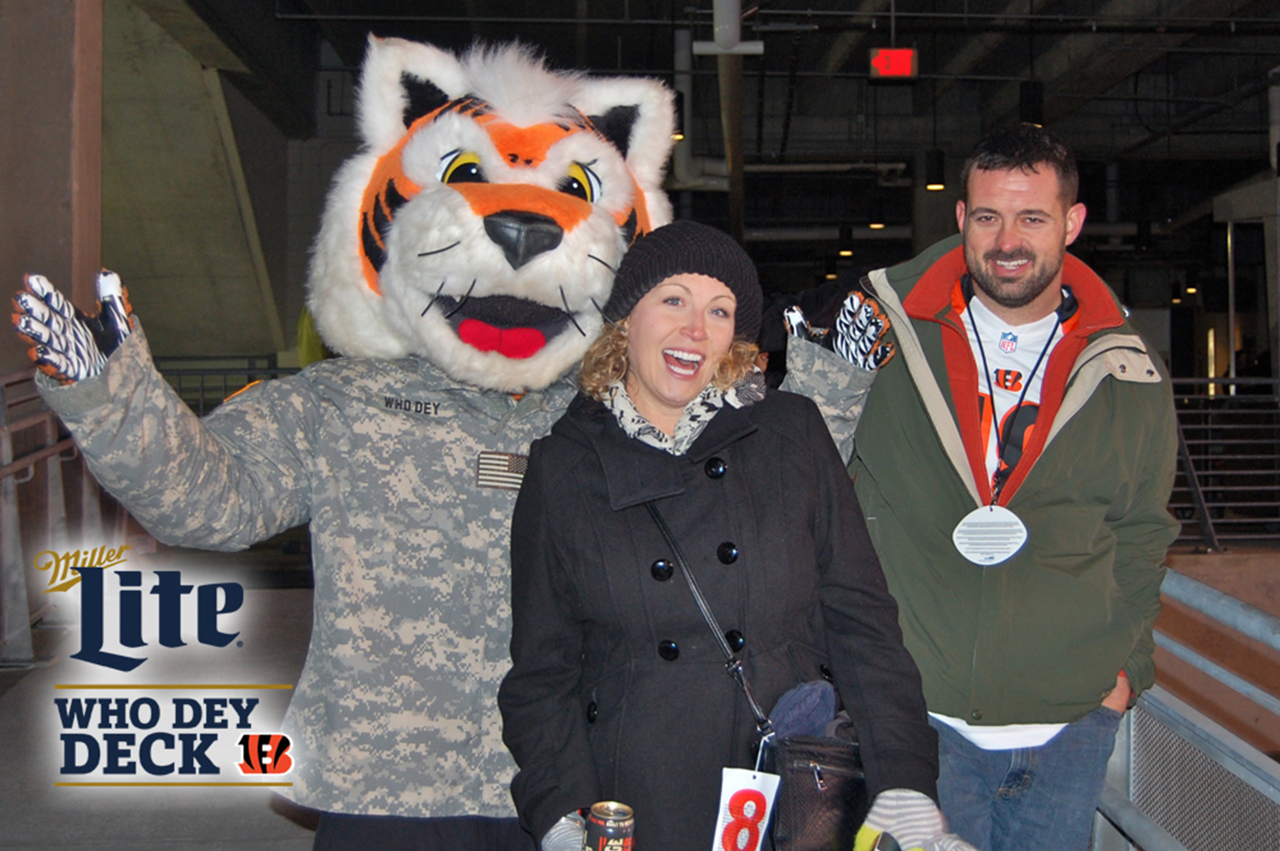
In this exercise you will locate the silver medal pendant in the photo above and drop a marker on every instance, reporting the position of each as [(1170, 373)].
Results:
[(989, 535)]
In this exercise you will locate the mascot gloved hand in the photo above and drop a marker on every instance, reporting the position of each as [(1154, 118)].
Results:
[(906, 820), (568, 834), (857, 334), (67, 344)]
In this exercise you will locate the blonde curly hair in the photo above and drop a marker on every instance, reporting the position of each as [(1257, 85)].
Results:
[(606, 362)]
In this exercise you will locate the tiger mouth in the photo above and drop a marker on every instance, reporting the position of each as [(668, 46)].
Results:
[(513, 327)]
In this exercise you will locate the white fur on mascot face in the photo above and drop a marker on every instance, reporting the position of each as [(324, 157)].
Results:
[(481, 225)]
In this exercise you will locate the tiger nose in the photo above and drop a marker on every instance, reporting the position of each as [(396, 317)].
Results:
[(522, 236)]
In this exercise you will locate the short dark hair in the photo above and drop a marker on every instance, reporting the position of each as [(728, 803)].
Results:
[(1024, 147)]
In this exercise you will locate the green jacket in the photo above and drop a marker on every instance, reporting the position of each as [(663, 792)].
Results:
[(1040, 637)]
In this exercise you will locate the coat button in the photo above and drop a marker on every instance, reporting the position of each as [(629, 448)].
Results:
[(716, 468), (826, 673), (735, 639), (662, 570), (592, 712), (976, 715), (669, 650), (727, 552)]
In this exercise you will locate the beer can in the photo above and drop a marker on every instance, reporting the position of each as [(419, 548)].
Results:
[(610, 827)]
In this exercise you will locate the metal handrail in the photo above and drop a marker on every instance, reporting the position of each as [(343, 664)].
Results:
[(1228, 485), (1116, 807), (1234, 756), (204, 388)]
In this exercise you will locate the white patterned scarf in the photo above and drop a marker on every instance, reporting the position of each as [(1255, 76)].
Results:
[(749, 390)]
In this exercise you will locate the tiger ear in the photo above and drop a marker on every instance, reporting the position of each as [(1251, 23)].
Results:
[(400, 82), (638, 116)]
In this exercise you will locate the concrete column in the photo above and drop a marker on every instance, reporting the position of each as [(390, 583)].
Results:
[(50, 219), (1271, 225), (50, 149)]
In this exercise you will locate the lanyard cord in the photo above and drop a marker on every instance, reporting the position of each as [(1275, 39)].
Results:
[(997, 485)]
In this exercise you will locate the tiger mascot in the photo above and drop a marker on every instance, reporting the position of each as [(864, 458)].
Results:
[(463, 257)]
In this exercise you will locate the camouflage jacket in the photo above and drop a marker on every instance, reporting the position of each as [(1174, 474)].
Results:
[(408, 480), (837, 387)]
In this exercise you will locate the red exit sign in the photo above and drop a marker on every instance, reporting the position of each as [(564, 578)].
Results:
[(893, 63)]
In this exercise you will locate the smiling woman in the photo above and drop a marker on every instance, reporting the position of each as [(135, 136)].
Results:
[(617, 692), (684, 311), (676, 336)]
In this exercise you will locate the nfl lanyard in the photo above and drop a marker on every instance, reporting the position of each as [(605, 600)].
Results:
[(990, 534), (997, 485)]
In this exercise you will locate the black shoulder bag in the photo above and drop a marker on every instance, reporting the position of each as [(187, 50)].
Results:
[(822, 797)]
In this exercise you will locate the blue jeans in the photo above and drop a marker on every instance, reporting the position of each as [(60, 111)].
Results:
[(1027, 799)]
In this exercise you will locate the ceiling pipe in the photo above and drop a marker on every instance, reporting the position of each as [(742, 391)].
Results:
[(833, 233), (820, 233), (881, 168), (1238, 96), (690, 173), (728, 48), (1273, 126), (726, 23), (731, 120), (965, 22)]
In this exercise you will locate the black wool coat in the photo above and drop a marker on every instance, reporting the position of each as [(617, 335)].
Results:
[(618, 690)]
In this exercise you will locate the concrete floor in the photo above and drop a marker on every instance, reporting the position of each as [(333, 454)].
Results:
[(36, 815)]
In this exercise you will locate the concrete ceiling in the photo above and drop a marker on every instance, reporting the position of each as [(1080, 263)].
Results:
[(177, 220), (1165, 101), (1118, 75)]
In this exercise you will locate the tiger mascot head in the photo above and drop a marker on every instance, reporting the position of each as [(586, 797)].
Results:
[(480, 225)]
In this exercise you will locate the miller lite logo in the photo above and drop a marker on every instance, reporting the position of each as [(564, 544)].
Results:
[(265, 753), (1008, 342)]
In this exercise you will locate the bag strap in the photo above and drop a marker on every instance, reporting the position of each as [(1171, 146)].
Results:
[(733, 665)]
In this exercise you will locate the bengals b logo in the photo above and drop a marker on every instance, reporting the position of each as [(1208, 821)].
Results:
[(1009, 379), (265, 753)]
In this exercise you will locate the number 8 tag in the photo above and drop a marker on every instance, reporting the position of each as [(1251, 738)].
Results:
[(746, 802)]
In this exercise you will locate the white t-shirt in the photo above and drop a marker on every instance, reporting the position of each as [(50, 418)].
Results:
[(1012, 353)]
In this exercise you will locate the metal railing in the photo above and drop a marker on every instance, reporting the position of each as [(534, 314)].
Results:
[(1178, 780), (205, 383), (33, 450), (1228, 485), (37, 508)]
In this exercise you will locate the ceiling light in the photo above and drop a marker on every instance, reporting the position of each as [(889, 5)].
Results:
[(1031, 102), (877, 214), (935, 170)]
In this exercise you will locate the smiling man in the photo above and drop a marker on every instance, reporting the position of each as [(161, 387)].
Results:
[(1016, 227), (1014, 465)]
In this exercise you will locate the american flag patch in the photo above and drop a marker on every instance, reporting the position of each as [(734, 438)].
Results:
[(500, 470)]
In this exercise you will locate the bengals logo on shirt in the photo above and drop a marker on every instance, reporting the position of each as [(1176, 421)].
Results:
[(1009, 379)]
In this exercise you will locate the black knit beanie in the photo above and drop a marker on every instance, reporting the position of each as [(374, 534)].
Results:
[(686, 247)]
